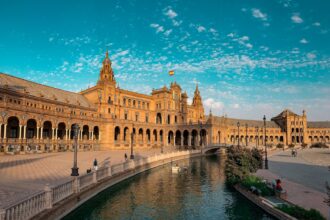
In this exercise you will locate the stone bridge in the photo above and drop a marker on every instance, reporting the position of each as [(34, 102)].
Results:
[(211, 149)]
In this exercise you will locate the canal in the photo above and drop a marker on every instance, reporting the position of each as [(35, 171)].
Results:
[(198, 193)]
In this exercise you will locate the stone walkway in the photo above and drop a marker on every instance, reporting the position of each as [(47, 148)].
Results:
[(303, 177), (24, 175)]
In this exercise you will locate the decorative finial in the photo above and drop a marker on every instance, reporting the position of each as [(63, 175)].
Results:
[(107, 54)]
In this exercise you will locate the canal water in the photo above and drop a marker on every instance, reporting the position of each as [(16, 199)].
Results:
[(198, 193)]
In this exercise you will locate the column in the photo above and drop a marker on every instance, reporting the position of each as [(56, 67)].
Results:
[(174, 140), (189, 140), (93, 135), (41, 132), (37, 132), (182, 140), (99, 135), (24, 132), (20, 132), (0, 130), (198, 140), (56, 133), (66, 134), (69, 134), (207, 140), (5, 131), (53, 136)]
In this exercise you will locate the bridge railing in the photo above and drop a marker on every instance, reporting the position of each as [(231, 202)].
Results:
[(36, 203)]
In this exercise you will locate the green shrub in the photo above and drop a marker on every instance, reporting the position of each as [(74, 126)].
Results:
[(240, 163), (251, 180), (280, 145), (303, 145), (301, 213), (291, 145), (319, 145)]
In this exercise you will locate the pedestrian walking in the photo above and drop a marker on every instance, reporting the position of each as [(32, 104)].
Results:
[(95, 164), (125, 156)]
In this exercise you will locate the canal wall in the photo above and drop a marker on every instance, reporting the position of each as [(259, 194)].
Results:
[(263, 204), (54, 202)]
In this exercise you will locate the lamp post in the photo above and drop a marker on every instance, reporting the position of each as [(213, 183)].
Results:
[(246, 134), (75, 144), (132, 140), (238, 132), (266, 158), (257, 141)]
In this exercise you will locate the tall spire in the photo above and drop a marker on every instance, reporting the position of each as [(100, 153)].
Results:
[(106, 73)]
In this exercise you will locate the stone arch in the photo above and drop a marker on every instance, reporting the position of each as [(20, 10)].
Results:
[(154, 133), (185, 138), (31, 128), (203, 139), (126, 134), (178, 138), (161, 136), (96, 133), (159, 118), (47, 132), (61, 130), (141, 135), (117, 133), (168, 119), (85, 132), (148, 135), (170, 139), (13, 127)]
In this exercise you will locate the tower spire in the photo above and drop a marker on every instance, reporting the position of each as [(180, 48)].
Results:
[(106, 73)]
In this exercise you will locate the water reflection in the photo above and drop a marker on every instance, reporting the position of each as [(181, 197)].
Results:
[(198, 193)]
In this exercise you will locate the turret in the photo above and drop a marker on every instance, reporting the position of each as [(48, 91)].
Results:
[(106, 73)]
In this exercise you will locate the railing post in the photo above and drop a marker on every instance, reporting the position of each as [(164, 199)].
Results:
[(109, 170), (2, 214), (49, 199), (94, 176), (76, 185)]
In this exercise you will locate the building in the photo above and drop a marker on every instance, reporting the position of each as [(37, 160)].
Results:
[(36, 117)]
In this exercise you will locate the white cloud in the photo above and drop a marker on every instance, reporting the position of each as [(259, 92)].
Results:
[(210, 103), (168, 32), (311, 56), (171, 14), (258, 14), (295, 18), (50, 39), (157, 27), (235, 106), (201, 28), (303, 41), (317, 24)]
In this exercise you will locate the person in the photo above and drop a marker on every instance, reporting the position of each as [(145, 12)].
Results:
[(295, 153), (278, 186), (292, 152), (125, 156), (95, 164)]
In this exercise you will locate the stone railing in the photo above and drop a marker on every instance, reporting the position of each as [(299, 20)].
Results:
[(41, 201)]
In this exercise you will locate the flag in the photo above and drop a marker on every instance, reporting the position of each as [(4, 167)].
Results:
[(171, 72)]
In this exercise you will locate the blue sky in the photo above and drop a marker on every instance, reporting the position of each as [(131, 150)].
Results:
[(249, 58)]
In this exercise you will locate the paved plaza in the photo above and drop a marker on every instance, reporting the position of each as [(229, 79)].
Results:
[(24, 175), (303, 177)]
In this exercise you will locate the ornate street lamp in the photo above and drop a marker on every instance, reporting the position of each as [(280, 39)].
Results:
[(238, 132), (132, 140), (266, 158), (246, 134), (75, 145)]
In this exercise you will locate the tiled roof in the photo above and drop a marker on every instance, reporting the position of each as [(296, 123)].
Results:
[(43, 91), (250, 123), (318, 124)]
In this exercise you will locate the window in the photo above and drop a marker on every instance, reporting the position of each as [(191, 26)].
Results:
[(109, 110), (136, 117), (124, 101), (147, 118), (126, 116), (134, 103), (147, 105)]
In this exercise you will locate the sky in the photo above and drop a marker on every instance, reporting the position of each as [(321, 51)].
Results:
[(249, 58)]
